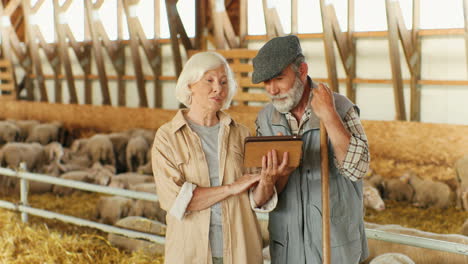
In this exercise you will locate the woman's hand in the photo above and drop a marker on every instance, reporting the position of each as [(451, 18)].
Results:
[(243, 183)]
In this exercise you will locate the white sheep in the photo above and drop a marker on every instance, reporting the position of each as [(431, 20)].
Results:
[(428, 193), (110, 209), (392, 258), (142, 225), (125, 180), (45, 133), (398, 189), (372, 198), (461, 168), (136, 152), (100, 149), (25, 127), (9, 132), (82, 176)]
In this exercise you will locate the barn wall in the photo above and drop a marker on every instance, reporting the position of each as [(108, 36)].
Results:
[(443, 58)]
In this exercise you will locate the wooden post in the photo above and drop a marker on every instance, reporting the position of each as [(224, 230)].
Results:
[(91, 15), (272, 21), (326, 249), (200, 22), (243, 17), (395, 62)]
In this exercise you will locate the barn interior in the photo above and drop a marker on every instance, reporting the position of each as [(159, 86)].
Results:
[(106, 67)]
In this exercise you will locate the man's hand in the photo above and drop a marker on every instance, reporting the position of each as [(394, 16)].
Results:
[(323, 102), (271, 172)]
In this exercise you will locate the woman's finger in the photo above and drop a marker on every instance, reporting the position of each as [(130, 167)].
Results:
[(274, 159), (264, 163)]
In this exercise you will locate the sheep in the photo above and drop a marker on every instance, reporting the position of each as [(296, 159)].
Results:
[(464, 229), (398, 189), (392, 258), (9, 132), (25, 127), (145, 133), (120, 141), (142, 225), (374, 180), (461, 168), (100, 149), (102, 174), (148, 209), (110, 209), (136, 152), (45, 133), (428, 193), (33, 155), (372, 198), (149, 187), (75, 160), (148, 167), (82, 176), (125, 180), (418, 255)]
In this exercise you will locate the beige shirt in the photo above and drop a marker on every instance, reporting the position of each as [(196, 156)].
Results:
[(178, 158)]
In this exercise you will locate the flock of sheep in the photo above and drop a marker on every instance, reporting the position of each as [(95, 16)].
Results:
[(120, 160), (123, 160)]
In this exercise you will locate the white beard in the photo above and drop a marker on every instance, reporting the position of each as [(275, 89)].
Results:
[(291, 98)]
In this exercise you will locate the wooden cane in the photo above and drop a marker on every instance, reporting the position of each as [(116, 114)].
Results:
[(325, 195)]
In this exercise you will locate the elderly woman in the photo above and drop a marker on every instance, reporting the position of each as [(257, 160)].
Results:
[(198, 169)]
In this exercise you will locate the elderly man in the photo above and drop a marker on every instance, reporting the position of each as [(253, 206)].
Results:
[(297, 106)]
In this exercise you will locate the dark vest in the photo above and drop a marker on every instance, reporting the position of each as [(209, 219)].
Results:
[(295, 225)]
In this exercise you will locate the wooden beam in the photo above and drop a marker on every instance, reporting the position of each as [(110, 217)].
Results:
[(90, 12), (395, 62), (272, 21), (329, 48), (350, 62), (243, 20), (33, 46), (294, 15), (465, 14), (415, 64), (200, 23), (171, 10)]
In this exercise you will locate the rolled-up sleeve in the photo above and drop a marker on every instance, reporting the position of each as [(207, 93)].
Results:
[(173, 191), (356, 162), (267, 207)]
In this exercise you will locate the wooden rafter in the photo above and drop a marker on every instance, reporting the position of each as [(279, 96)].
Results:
[(272, 20), (82, 52), (177, 30), (151, 48), (11, 47), (224, 34), (345, 44), (412, 50), (36, 40), (95, 28)]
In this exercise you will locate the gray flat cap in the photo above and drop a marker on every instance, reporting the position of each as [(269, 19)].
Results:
[(274, 57)]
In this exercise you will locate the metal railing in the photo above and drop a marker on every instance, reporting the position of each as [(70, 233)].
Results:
[(25, 210)]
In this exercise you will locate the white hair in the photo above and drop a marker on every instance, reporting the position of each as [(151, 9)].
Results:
[(194, 70)]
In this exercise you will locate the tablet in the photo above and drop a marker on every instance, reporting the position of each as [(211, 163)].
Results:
[(256, 147)]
